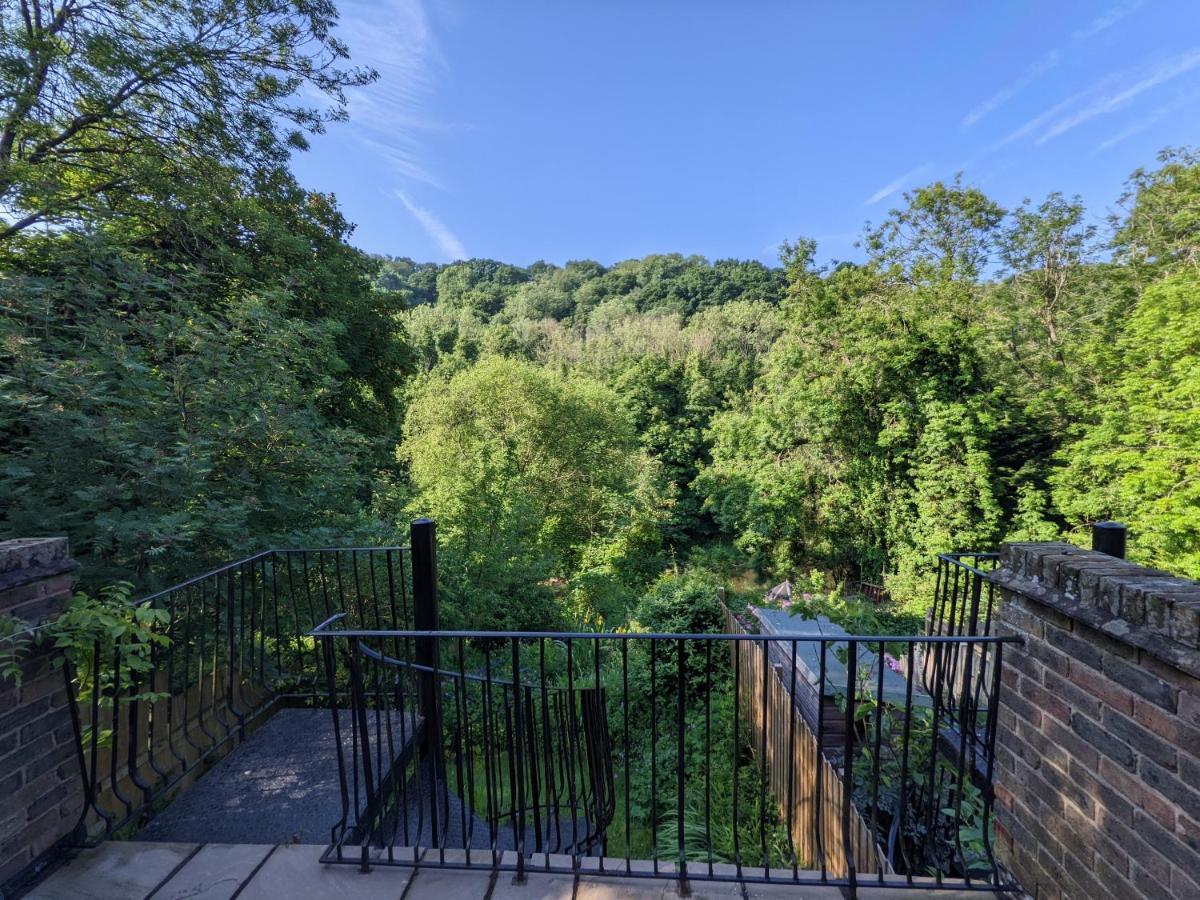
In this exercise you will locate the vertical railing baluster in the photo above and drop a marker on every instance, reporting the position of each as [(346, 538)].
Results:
[(654, 752), (358, 703), (819, 756), (116, 692), (172, 634), (79, 832), (279, 669), (548, 758), (680, 762), (902, 803), (518, 739), (963, 732), (764, 711), (791, 769), (465, 723), (737, 717), (848, 764), (234, 651), (934, 800), (458, 730), (344, 604), (708, 754), (338, 831), (94, 749), (989, 785), (493, 807), (324, 581), (406, 724), (571, 734), (597, 777), (625, 780), (880, 664)]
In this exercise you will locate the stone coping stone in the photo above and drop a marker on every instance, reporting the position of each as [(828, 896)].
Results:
[(23, 560), (1140, 606)]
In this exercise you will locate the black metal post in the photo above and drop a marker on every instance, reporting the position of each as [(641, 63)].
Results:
[(1109, 537), (423, 544)]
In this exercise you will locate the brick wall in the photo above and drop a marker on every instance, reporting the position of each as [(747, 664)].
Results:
[(1098, 745), (40, 785)]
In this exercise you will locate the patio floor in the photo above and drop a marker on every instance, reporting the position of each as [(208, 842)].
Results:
[(139, 870)]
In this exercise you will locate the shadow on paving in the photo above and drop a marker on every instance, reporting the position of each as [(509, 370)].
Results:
[(281, 787)]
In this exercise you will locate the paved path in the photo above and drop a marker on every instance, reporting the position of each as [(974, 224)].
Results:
[(140, 870), (281, 787)]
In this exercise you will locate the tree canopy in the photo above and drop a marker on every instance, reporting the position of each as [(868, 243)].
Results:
[(199, 362)]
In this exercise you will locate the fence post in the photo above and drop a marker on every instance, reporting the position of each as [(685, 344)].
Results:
[(1109, 537), (423, 547)]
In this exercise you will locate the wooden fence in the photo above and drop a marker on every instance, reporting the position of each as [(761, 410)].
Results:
[(793, 768)]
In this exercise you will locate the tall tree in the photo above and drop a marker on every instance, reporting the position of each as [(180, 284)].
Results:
[(106, 99), (532, 476)]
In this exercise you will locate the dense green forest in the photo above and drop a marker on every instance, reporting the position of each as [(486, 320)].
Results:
[(198, 363)]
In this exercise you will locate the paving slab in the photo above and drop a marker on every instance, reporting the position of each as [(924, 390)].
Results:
[(452, 884), (295, 872), (280, 786), (116, 870), (593, 886), (537, 886), (215, 872), (897, 889), (605, 887)]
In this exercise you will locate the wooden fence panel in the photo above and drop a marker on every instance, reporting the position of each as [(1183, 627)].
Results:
[(796, 771)]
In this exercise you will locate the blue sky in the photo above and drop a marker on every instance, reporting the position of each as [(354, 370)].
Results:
[(609, 130)]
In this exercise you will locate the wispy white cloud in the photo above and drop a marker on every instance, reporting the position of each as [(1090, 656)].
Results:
[(390, 118), (1104, 102), (1149, 120), (896, 184), (446, 240), (1041, 66), (1002, 96), (1107, 19), (1032, 125)]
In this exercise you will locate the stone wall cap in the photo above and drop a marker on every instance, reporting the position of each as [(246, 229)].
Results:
[(1141, 606), (23, 560), (25, 553)]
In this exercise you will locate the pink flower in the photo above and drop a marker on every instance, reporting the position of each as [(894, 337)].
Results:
[(892, 663)]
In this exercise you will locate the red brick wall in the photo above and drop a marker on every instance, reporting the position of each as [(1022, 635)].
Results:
[(1098, 747), (41, 794)]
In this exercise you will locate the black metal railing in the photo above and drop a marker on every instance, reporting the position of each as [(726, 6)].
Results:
[(964, 594), (964, 600), (150, 715), (681, 756), (570, 752), (537, 760)]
